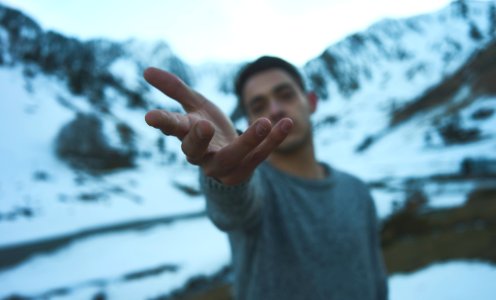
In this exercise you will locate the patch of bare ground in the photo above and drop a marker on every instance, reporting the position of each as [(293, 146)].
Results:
[(412, 239)]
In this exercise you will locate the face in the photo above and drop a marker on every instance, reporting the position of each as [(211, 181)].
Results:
[(274, 94)]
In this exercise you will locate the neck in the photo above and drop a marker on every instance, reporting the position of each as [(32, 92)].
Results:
[(301, 162)]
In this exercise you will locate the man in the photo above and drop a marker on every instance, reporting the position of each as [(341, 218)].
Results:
[(298, 229)]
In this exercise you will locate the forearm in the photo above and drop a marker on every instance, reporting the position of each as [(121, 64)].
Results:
[(233, 207)]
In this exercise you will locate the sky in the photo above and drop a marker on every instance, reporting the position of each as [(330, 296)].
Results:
[(222, 30)]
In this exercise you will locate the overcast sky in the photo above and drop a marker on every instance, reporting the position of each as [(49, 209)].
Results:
[(228, 30)]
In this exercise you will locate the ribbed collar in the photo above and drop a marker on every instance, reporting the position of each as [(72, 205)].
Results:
[(315, 183)]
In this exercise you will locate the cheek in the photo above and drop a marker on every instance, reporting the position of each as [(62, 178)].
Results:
[(300, 113), (301, 118)]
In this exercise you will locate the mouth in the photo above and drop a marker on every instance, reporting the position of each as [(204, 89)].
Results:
[(278, 117)]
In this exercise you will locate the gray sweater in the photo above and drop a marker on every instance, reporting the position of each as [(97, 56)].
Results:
[(293, 238)]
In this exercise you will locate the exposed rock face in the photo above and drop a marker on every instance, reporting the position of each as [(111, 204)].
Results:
[(83, 145)]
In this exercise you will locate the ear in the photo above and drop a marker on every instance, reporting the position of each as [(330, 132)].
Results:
[(312, 101)]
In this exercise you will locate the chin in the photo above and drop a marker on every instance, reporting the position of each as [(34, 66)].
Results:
[(291, 144)]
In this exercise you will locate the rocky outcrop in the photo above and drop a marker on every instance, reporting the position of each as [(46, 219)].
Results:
[(83, 144)]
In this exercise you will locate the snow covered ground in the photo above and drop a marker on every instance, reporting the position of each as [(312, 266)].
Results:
[(172, 254), (454, 280), (30, 124)]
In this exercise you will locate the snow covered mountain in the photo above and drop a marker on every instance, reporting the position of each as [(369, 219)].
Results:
[(84, 178), (369, 76)]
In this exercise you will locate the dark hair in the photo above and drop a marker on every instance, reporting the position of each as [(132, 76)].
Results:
[(262, 64)]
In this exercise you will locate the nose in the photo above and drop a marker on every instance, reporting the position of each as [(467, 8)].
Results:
[(276, 111)]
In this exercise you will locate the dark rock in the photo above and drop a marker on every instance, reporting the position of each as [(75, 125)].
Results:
[(452, 132), (41, 176), (16, 297), (365, 144), (100, 296), (478, 167), (84, 146), (482, 113), (475, 33)]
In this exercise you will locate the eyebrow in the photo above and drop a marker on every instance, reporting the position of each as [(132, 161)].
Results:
[(282, 86)]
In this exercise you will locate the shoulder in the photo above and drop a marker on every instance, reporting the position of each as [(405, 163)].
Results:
[(344, 178), (352, 185)]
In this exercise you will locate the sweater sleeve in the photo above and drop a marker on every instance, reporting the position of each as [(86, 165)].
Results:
[(237, 207)]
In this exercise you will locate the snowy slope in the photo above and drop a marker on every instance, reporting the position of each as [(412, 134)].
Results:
[(369, 75), (31, 123)]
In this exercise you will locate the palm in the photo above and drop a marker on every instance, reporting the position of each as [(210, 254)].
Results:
[(224, 131)]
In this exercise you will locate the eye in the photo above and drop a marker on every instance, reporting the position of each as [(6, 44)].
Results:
[(257, 107), (286, 95)]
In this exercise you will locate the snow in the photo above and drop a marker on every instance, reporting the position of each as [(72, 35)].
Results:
[(403, 151), (194, 246), (128, 71), (385, 202), (440, 44), (454, 280), (34, 122), (450, 194)]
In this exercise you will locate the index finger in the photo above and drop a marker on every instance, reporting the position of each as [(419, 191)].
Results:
[(174, 87)]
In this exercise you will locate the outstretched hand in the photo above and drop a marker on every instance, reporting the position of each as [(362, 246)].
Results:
[(208, 137)]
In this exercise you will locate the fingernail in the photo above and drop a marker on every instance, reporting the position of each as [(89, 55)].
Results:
[(262, 130), (286, 126)]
